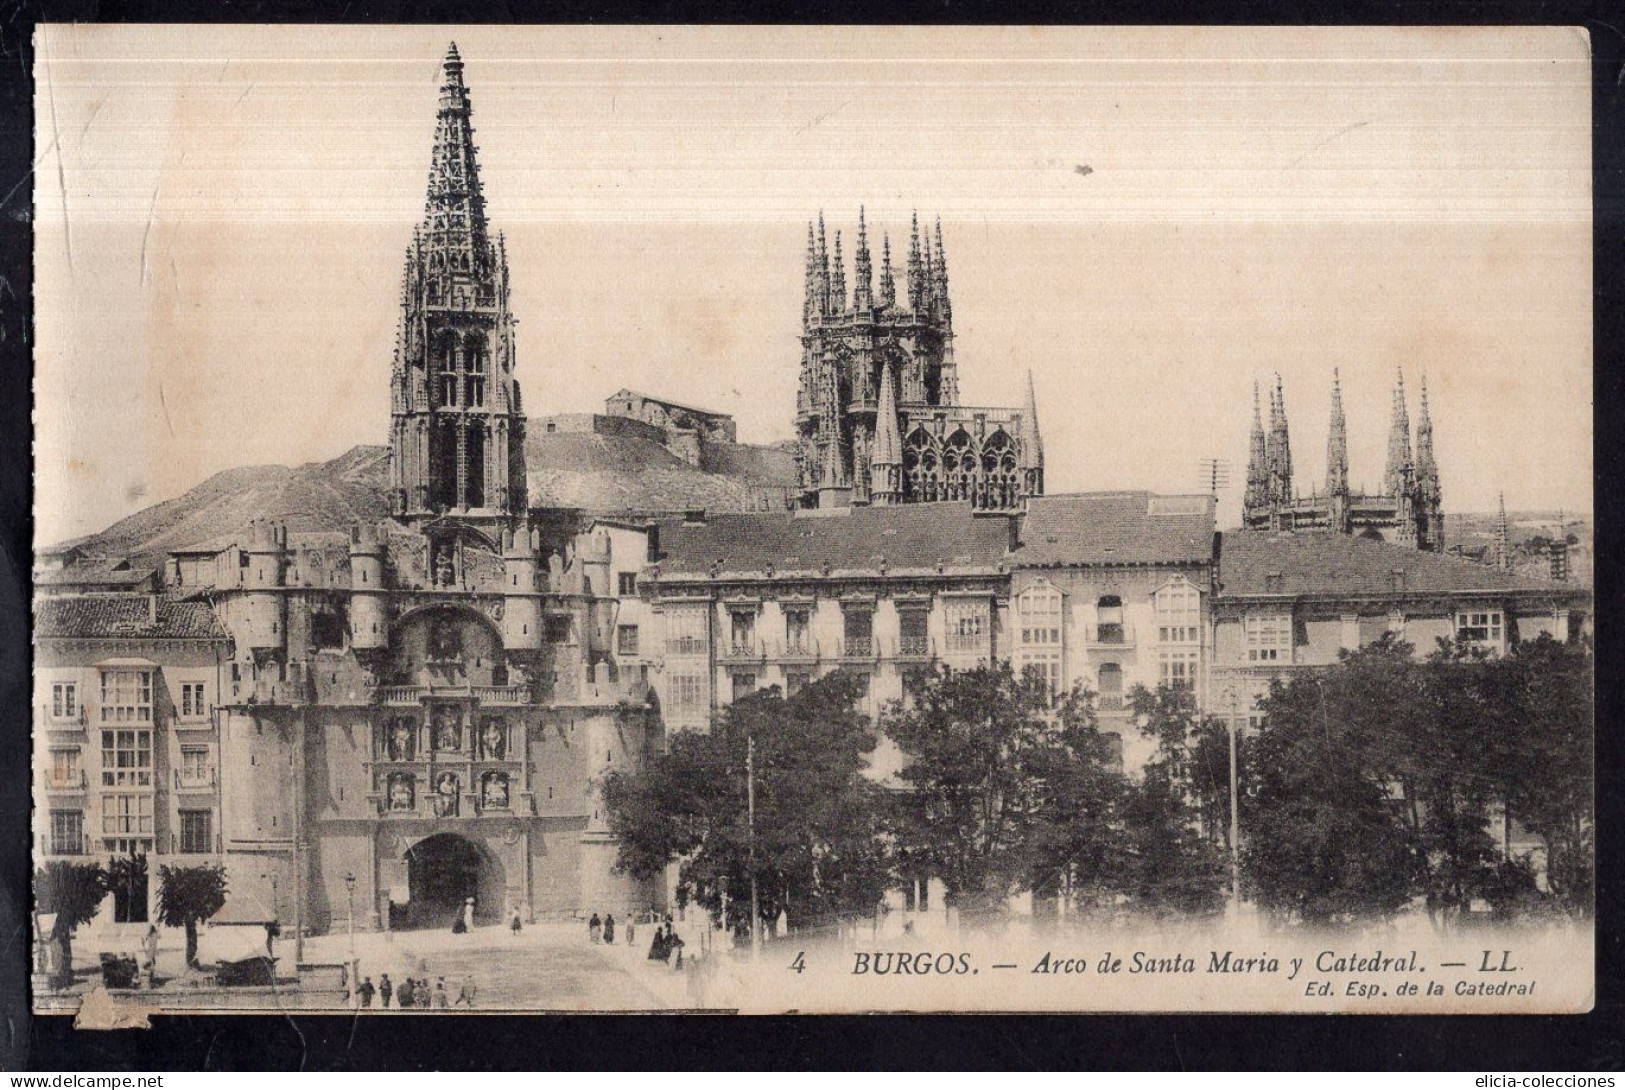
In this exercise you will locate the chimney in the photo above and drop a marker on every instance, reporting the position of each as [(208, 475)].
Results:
[(152, 609), (654, 542), (694, 516)]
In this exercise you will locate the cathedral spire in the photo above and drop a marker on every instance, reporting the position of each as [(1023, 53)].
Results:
[(886, 457), (1337, 444), (823, 266), (863, 279), (928, 276), (916, 271), (1396, 479), (815, 289), (1430, 510), (837, 281), (454, 210), (1032, 445), (1280, 448), (940, 285), (888, 286), (1256, 497)]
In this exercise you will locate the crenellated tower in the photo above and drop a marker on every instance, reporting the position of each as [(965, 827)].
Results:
[(854, 344), (457, 429)]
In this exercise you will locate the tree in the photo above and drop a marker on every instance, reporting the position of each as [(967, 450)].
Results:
[(821, 844), (1553, 791), (1172, 813), (74, 892), (1005, 784), (187, 895), (1324, 844)]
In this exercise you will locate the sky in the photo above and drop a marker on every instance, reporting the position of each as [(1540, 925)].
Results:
[(1148, 220)]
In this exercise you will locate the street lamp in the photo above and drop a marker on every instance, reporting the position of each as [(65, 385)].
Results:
[(355, 962), (1235, 809)]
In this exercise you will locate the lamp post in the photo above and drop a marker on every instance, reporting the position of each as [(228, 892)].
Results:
[(1235, 809), (750, 825)]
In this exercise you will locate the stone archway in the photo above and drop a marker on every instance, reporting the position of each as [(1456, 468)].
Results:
[(442, 872)]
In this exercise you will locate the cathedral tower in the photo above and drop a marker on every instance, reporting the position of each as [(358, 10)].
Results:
[(878, 418), (1337, 461), (457, 429)]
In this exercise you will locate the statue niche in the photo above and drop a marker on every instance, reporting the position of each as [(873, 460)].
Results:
[(446, 728), (402, 797), (494, 791), (493, 739), (445, 795)]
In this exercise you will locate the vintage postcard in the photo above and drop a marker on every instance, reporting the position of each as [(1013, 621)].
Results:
[(535, 519)]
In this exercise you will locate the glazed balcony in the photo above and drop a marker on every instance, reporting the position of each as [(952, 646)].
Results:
[(1111, 636)]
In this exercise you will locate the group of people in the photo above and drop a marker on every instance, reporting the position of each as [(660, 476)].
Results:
[(667, 946), (603, 930), (415, 993)]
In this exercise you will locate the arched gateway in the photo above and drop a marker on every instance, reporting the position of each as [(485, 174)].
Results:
[(442, 872)]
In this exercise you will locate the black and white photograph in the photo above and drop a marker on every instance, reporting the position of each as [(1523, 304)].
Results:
[(812, 519)]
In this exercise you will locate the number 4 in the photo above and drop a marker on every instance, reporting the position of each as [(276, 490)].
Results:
[(800, 962)]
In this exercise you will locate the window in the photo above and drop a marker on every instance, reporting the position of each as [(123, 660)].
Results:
[(65, 700), (195, 766), (967, 626), (628, 583), (1111, 686), (67, 832), (626, 640), (126, 815), (858, 628), (1179, 613), (65, 770), (796, 623), (1178, 669), (912, 632), (127, 696), (1109, 619), (1480, 626), (197, 832), (1114, 751), (742, 630), (558, 630), (192, 706), (126, 758), (795, 681), (1047, 667), (744, 685), (1038, 613), (687, 693), (1269, 637), (686, 632)]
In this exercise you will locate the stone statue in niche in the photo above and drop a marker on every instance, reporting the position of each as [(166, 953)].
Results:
[(402, 791), (494, 791), (493, 739), (443, 569), (446, 728), (402, 739), (445, 795), (445, 640)]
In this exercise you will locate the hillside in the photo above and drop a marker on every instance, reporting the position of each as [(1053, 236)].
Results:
[(596, 473)]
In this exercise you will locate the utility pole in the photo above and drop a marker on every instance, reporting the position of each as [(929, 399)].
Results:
[(750, 819), (1215, 475)]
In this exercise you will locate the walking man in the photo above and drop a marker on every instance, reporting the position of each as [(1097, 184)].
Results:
[(366, 992), (385, 990)]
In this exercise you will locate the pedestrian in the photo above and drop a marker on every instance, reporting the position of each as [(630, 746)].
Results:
[(407, 997), (677, 946), (632, 930), (385, 990), (468, 914), (440, 1000), (609, 930), (659, 949), (366, 992), (465, 993), (595, 928), (515, 923)]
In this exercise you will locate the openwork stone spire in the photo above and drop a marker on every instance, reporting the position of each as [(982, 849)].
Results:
[(1337, 444)]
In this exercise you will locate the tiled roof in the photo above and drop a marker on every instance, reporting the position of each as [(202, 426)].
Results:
[(1115, 528), (124, 616), (1254, 562), (916, 537), (104, 572)]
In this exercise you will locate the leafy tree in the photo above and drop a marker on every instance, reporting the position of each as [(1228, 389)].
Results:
[(1172, 866), (127, 880), (1552, 793), (74, 892), (187, 895), (1322, 843), (822, 845), (1005, 792)]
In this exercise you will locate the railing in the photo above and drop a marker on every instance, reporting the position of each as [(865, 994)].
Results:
[(265, 691), (744, 651), (1114, 635), (915, 647), (858, 648), (194, 783), (1110, 702), (501, 694), (802, 650), (73, 781)]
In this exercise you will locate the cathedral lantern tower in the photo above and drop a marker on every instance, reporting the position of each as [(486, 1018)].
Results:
[(457, 427)]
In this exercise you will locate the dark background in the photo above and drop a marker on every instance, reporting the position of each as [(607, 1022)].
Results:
[(1594, 1041)]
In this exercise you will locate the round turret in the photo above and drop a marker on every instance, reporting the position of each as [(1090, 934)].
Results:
[(264, 609), (369, 616), (522, 593)]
